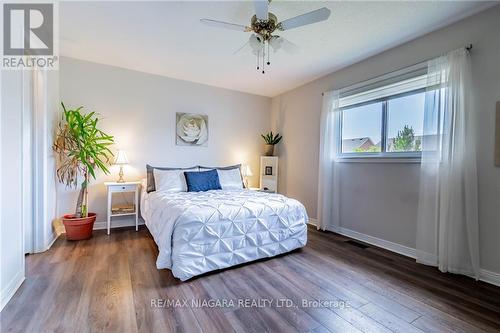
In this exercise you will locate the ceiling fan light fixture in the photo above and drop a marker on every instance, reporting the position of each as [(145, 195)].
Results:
[(264, 23)]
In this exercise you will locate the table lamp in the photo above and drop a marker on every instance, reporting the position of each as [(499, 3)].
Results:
[(121, 159), (246, 172)]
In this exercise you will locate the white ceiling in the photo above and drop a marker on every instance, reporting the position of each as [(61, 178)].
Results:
[(166, 38)]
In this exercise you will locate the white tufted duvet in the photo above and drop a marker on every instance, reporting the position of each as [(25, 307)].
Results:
[(198, 232)]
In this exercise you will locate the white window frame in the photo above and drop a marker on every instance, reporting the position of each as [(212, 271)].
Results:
[(401, 83)]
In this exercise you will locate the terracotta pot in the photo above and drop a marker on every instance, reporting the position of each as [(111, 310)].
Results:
[(269, 150), (78, 228)]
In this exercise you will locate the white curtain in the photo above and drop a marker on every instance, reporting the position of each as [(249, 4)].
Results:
[(447, 223), (328, 180)]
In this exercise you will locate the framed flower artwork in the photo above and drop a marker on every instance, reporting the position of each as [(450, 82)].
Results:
[(191, 129)]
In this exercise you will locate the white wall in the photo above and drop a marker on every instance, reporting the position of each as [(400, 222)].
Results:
[(139, 110), (380, 200), (11, 229)]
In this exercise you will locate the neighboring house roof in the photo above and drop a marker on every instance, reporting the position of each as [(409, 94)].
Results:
[(349, 145)]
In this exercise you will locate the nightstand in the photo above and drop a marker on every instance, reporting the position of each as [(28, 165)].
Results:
[(269, 173), (127, 187), (258, 189)]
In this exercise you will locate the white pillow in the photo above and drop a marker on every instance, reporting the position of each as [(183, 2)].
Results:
[(171, 180), (230, 179)]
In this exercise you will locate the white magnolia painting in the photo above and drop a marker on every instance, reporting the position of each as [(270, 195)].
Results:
[(192, 129)]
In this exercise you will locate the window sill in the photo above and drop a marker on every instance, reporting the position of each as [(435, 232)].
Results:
[(372, 159)]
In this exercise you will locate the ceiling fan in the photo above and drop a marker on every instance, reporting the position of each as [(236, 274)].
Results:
[(264, 24)]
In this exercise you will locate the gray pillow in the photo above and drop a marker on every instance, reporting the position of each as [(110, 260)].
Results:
[(150, 177), (236, 166)]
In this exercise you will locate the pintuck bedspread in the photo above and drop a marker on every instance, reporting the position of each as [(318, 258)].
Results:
[(198, 232)]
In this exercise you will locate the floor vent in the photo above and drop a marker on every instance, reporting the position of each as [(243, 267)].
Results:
[(356, 243)]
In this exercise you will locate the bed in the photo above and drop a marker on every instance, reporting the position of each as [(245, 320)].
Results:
[(198, 232)]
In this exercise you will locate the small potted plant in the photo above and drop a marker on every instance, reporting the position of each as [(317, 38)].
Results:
[(271, 140), (82, 149)]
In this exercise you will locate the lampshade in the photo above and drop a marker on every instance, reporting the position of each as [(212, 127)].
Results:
[(246, 171), (121, 158)]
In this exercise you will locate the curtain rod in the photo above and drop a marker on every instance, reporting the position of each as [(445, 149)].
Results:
[(467, 47)]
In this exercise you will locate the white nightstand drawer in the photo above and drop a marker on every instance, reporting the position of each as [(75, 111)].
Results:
[(122, 188)]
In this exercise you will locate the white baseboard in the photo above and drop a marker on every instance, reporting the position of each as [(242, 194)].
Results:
[(484, 275), (490, 277), (10, 289), (385, 244), (99, 225), (313, 222)]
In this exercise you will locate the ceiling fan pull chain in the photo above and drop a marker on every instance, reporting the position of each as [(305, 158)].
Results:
[(268, 62), (258, 58), (263, 59)]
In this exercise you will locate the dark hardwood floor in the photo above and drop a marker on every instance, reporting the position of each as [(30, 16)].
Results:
[(111, 284)]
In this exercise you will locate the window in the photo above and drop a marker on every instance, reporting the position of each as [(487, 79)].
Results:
[(405, 121), (361, 128), (386, 121)]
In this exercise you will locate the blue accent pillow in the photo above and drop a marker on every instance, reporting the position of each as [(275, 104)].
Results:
[(202, 180)]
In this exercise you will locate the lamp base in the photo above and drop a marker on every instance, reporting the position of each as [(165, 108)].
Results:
[(121, 180)]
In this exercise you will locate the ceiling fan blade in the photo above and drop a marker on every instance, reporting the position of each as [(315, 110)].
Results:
[(224, 25), (280, 43), (261, 9), (317, 15)]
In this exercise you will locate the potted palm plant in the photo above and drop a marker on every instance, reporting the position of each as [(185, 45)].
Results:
[(270, 140), (82, 149)]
